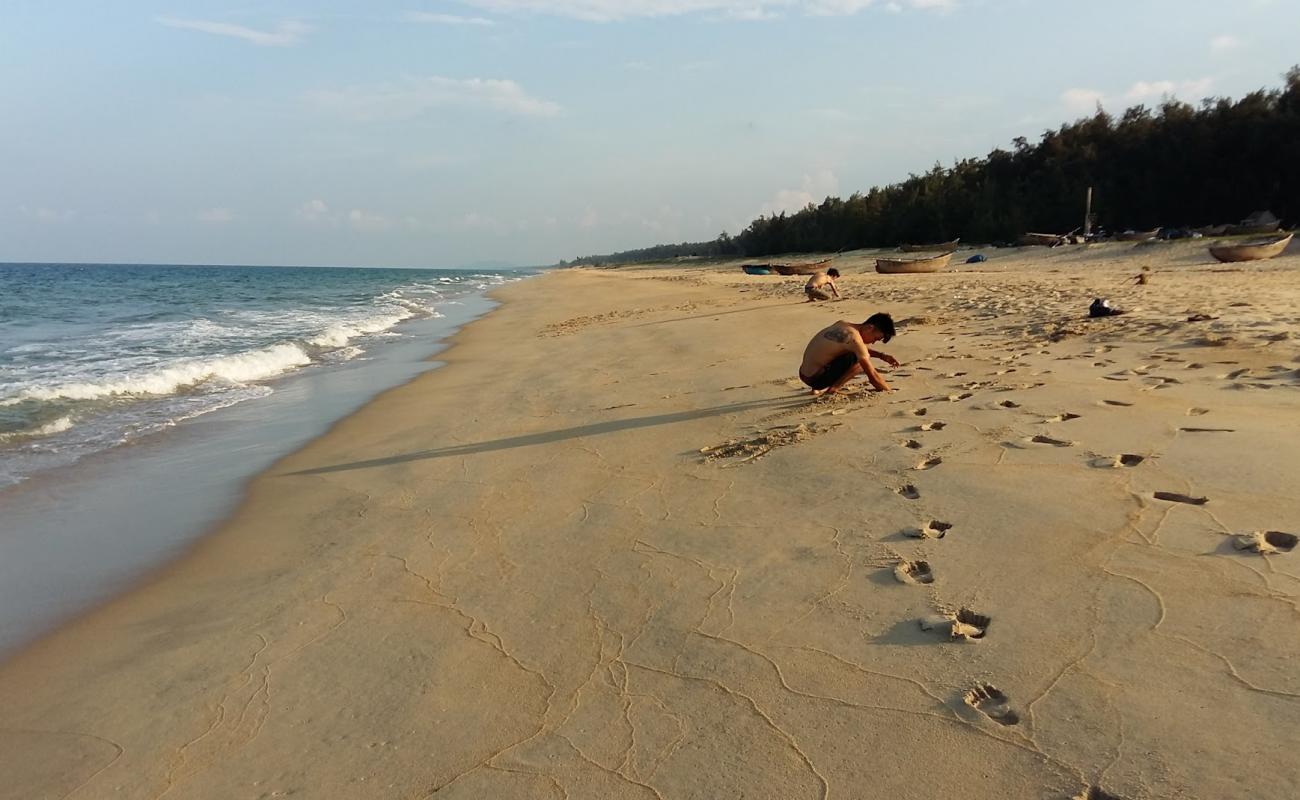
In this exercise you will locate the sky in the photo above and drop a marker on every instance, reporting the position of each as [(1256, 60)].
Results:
[(470, 132)]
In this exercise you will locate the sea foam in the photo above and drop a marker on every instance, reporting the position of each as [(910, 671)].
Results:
[(256, 365)]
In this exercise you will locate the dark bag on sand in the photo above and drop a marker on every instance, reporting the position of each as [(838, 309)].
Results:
[(1102, 308)]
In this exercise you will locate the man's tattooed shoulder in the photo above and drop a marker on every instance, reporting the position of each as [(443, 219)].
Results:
[(836, 335)]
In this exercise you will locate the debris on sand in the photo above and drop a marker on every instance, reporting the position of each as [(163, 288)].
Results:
[(752, 449)]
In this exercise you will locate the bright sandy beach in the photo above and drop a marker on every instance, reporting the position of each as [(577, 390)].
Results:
[(614, 549)]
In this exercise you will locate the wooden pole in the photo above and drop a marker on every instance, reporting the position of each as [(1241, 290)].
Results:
[(1087, 214)]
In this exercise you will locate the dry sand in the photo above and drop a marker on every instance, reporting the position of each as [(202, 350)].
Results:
[(615, 550)]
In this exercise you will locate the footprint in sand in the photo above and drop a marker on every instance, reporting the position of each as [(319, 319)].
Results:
[(1041, 439), (912, 444), (934, 529), (1196, 412), (929, 463), (1115, 462), (952, 398), (1009, 404), (911, 572), (1175, 497), (1267, 543), (1064, 416), (965, 624), (1095, 793), (992, 703), (933, 426), (909, 491), (1116, 403), (1208, 430)]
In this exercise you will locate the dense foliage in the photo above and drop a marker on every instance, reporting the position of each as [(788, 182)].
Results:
[(1174, 166)]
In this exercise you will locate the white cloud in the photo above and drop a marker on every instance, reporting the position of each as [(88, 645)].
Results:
[(1082, 101), (45, 214), (613, 10), (414, 96), (1224, 43), (216, 216), (368, 221), (812, 189), (313, 211), (448, 19), (835, 115), (1150, 90), (474, 221), (286, 34), (752, 14), (666, 220), (429, 161)]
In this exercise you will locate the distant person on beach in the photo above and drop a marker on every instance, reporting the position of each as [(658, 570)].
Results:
[(815, 288), (840, 351)]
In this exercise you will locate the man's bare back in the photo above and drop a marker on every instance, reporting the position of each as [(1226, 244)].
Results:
[(839, 352), (815, 288)]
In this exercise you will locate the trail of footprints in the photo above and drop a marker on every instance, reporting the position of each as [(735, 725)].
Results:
[(968, 625), (964, 624)]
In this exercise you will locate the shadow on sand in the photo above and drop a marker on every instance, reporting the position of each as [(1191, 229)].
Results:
[(562, 434)]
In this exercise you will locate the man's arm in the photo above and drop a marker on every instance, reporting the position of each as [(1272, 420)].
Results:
[(885, 357), (864, 358), (835, 289)]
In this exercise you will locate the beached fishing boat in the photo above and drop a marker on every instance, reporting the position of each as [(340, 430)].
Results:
[(1253, 230), (1040, 240), (1212, 230), (1259, 223), (1137, 236), (942, 247), (1250, 251), (757, 269), (900, 266), (801, 269)]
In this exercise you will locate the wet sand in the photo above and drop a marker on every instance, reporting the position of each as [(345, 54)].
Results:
[(614, 549)]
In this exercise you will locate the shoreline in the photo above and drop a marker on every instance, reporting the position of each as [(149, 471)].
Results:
[(613, 549), (71, 501)]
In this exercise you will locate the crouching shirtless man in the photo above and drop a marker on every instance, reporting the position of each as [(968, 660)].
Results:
[(840, 351)]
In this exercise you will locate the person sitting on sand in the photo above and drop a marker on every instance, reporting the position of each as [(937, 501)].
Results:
[(815, 288), (840, 351)]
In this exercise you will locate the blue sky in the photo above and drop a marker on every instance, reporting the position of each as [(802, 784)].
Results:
[(445, 133)]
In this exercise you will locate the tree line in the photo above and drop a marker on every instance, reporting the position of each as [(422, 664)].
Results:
[(1175, 165)]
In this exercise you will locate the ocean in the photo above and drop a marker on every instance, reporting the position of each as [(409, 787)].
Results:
[(135, 401)]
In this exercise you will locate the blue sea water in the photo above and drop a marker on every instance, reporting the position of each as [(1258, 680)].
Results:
[(96, 356), (136, 401)]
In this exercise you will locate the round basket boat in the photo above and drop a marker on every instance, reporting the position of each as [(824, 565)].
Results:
[(898, 266), (1250, 251)]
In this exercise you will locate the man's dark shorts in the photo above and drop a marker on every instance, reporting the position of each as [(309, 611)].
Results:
[(830, 373)]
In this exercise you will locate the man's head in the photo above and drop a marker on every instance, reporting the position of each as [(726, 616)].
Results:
[(834, 273), (878, 327)]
